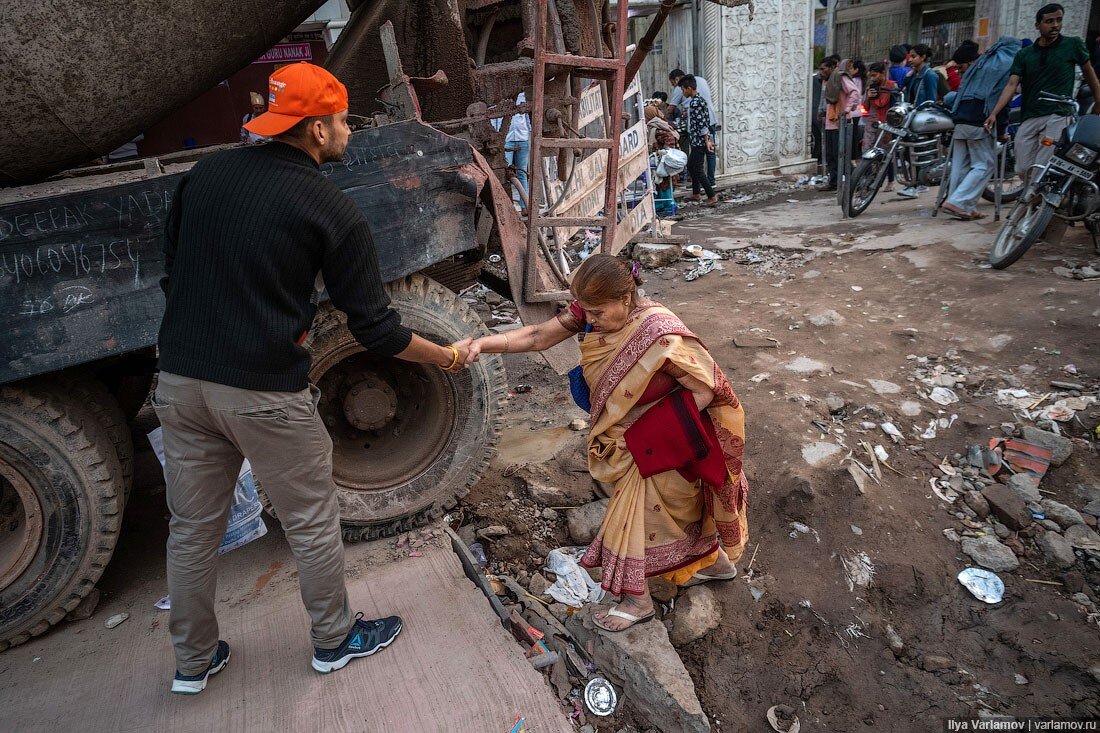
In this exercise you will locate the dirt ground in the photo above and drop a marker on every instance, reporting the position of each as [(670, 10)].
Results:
[(905, 286)]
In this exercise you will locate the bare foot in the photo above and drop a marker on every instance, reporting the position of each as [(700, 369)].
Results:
[(639, 606), (721, 566)]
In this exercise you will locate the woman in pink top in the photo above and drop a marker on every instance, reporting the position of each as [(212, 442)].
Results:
[(850, 79)]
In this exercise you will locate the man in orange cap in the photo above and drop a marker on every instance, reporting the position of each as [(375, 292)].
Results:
[(249, 231)]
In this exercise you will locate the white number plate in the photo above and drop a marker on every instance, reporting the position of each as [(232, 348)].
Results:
[(1068, 167)]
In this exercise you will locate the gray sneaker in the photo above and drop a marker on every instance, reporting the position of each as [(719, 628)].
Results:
[(910, 192)]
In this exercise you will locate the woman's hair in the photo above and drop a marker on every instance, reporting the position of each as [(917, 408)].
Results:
[(856, 68), (878, 67), (604, 278)]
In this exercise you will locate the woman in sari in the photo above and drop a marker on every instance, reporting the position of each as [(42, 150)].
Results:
[(671, 524)]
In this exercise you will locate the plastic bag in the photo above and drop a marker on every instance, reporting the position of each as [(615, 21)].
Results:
[(672, 162), (574, 586), (245, 520)]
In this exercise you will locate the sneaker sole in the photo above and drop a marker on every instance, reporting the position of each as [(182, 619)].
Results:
[(328, 667), (194, 687)]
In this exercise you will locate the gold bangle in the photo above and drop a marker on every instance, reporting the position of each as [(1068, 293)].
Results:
[(505, 335), (454, 362)]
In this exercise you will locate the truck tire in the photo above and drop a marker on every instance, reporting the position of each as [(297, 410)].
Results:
[(60, 506), (409, 440), (88, 392)]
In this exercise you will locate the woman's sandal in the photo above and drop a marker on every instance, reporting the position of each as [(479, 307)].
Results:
[(700, 578), (634, 620)]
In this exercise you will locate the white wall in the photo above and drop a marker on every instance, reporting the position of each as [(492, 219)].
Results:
[(762, 67)]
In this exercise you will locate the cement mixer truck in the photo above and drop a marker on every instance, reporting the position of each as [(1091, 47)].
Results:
[(81, 254)]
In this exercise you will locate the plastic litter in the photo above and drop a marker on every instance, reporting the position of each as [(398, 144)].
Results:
[(943, 396), (881, 454), (600, 697), (246, 522), (574, 586), (701, 269), (892, 430), (117, 619), (783, 720), (164, 604), (478, 551), (983, 585)]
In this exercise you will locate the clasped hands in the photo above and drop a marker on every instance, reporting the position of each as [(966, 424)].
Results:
[(468, 352)]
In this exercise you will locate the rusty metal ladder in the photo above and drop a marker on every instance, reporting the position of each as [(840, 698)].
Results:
[(611, 72)]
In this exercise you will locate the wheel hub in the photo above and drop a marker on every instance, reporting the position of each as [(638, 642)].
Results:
[(370, 404), (20, 524)]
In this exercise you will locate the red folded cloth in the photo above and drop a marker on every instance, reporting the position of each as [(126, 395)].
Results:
[(673, 436)]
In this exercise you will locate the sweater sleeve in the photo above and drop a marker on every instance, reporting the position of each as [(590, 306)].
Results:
[(353, 282)]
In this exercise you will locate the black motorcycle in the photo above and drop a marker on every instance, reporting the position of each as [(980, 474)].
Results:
[(1064, 188)]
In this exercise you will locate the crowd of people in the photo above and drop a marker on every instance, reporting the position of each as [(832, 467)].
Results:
[(977, 88)]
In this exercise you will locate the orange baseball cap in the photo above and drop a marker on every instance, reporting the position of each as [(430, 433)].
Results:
[(295, 92)]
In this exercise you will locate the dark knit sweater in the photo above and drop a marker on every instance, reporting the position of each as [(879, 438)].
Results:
[(248, 231)]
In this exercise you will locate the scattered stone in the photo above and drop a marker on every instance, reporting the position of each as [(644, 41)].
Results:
[(584, 522), (1057, 550), (1007, 507), (990, 554), (893, 638), (644, 663), (1057, 511), (578, 425), (653, 255), (826, 318), (1094, 670), (805, 365), (1051, 525), (85, 608), (810, 274), (538, 584), (977, 502), (1024, 486), (1093, 508), (910, 408), (1082, 599), (1087, 273), (117, 619), (1060, 446), (1083, 538), (835, 403), (934, 663), (1088, 492), (1067, 385), (820, 452), (549, 515), (856, 530), (1000, 341), (661, 589), (1000, 530), (1062, 272), (493, 532), (883, 387), (1073, 581), (697, 613), (1020, 679)]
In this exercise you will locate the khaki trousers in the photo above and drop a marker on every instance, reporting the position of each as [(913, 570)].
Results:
[(1029, 146), (209, 429)]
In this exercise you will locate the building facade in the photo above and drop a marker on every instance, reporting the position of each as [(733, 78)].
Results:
[(758, 66), (868, 28)]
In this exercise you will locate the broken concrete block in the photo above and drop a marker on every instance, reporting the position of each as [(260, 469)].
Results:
[(1024, 486), (697, 613), (1057, 550), (1007, 507), (644, 663), (977, 502), (1065, 516), (989, 553), (1083, 538), (652, 255), (1060, 446), (584, 522)]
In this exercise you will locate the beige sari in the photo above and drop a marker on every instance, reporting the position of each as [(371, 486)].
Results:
[(662, 525)]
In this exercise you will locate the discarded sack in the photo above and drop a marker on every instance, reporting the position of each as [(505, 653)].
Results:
[(245, 520)]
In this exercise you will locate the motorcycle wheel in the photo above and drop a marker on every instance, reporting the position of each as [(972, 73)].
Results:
[(866, 181), (1013, 185), (1024, 226)]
